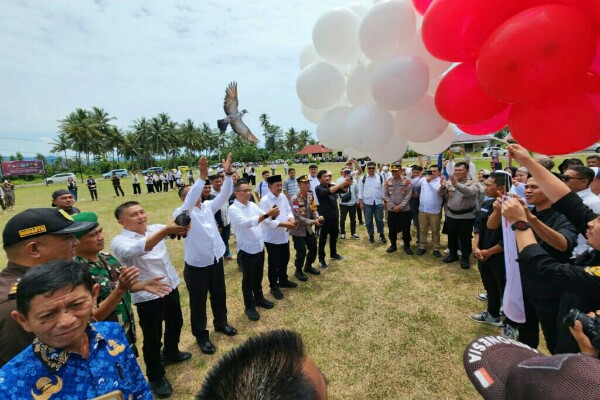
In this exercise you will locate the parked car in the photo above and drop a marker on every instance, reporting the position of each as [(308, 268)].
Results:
[(595, 147), (487, 152), (121, 173), (183, 168), (153, 170), (62, 177)]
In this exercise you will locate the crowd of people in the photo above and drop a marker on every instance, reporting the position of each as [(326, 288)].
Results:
[(60, 277)]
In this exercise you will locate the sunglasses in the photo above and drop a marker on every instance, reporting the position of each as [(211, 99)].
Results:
[(568, 178), (371, 167)]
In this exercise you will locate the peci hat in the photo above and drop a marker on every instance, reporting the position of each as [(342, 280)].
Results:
[(303, 178), (502, 368), (274, 179), (59, 192), (85, 217), (41, 221)]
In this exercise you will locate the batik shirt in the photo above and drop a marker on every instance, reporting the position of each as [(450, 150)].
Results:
[(106, 272), (44, 373)]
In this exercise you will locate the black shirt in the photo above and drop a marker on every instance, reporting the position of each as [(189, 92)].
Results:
[(328, 206), (488, 238)]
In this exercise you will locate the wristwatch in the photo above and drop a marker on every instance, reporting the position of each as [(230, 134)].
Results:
[(520, 225)]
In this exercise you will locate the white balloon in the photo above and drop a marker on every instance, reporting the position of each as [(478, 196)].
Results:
[(309, 55), (421, 122), (358, 88), (335, 36), (368, 127), (392, 151), (400, 82), (434, 82), (349, 151), (320, 85), (437, 145), (330, 130), (360, 9), (313, 115), (388, 28), (436, 66)]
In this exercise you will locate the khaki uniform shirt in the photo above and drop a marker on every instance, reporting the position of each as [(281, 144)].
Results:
[(397, 192), (305, 211), (13, 339), (460, 199)]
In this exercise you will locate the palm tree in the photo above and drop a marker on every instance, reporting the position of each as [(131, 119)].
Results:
[(130, 147), (82, 131), (291, 140), (264, 121), (141, 130), (62, 143)]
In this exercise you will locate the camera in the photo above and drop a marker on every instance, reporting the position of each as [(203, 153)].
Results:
[(591, 326), (428, 172)]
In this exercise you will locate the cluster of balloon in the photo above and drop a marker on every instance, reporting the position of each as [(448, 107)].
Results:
[(533, 65), (367, 81)]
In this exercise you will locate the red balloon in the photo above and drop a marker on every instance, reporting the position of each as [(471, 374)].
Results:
[(595, 68), (421, 5), (589, 8), (455, 30), (536, 53), (460, 98), (560, 124), (492, 125)]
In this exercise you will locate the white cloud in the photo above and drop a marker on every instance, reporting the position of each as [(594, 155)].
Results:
[(139, 58)]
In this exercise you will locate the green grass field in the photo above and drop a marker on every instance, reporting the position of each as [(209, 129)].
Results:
[(380, 326)]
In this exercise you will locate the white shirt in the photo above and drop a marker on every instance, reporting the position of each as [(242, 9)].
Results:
[(203, 243), (273, 233), (371, 191), (177, 174), (263, 186), (128, 247), (593, 202), (247, 229), (314, 182), (224, 207), (429, 200)]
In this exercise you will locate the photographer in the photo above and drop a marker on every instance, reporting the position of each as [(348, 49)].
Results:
[(581, 281)]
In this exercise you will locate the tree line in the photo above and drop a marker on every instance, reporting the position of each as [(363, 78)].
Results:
[(97, 141)]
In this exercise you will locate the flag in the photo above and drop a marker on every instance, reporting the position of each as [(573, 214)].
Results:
[(513, 305)]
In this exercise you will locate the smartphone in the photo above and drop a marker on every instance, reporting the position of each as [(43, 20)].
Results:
[(428, 172)]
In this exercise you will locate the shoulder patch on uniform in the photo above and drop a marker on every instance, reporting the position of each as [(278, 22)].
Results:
[(12, 293), (594, 271)]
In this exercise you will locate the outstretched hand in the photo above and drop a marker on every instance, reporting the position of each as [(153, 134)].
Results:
[(203, 167), (518, 153), (227, 164)]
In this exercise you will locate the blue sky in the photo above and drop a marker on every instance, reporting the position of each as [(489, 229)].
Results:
[(140, 58)]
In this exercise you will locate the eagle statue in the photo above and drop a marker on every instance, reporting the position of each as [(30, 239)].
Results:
[(233, 116)]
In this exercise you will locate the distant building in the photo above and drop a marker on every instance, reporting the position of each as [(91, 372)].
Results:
[(474, 143), (316, 150)]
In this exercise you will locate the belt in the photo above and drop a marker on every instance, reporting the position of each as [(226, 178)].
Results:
[(461, 212)]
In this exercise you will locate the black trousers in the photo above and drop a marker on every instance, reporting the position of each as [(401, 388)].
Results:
[(151, 315), (253, 269), (150, 187), (158, 186), (345, 210), (171, 183), (460, 230), (94, 194), (359, 213), (399, 222), (329, 228), (118, 189), (301, 244), (493, 277), (278, 257), (415, 221), (137, 189), (200, 282), (165, 186), (542, 312)]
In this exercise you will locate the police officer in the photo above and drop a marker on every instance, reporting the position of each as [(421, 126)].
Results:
[(30, 238), (305, 212), (397, 193)]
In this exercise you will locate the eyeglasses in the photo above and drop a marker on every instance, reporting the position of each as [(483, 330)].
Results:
[(568, 178), (371, 167)]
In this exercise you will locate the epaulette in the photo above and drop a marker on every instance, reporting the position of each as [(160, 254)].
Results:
[(12, 293), (594, 271)]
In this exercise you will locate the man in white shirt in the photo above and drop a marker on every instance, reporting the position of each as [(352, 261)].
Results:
[(203, 256), (430, 209), (370, 196), (314, 181), (217, 184), (246, 218), (276, 236), (144, 246), (263, 187), (578, 179)]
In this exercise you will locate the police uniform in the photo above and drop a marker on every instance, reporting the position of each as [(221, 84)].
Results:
[(398, 192), (13, 339), (305, 211)]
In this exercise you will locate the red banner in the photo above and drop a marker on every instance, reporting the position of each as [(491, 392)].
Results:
[(23, 167)]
